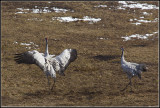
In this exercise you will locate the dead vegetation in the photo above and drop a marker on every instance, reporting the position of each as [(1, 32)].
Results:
[(96, 77)]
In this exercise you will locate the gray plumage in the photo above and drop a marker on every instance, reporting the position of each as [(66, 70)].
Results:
[(50, 64), (132, 69)]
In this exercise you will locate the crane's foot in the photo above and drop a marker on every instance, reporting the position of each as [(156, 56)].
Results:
[(52, 88), (123, 89), (131, 91), (127, 86)]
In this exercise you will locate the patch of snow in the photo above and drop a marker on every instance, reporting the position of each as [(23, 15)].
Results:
[(142, 6), (15, 42), (131, 20), (126, 38), (20, 12), (28, 45), (65, 19), (137, 23), (36, 45), (143, 21), (131, 2), (121, 8), (42, 10), (145, 13), (101, 38), (58, 10), (71, 19), (45, 10), (26, 9), (123, 2), (87, 18), (25, 44), (20, 9), (31, 42), (155, 32), (101, 6), (141, 17)]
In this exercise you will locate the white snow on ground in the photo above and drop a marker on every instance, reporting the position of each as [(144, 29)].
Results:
[(140, 21), (28, 45), (102, 38), (101, 6), (145, 13), (87, 18), (25, 44), (141, 17), (71, 19), (58, 10), (65, 19), (131, 4), (23, 9), (137, 23), (126, 38), (15, 42), (21, 12), (42, 10)]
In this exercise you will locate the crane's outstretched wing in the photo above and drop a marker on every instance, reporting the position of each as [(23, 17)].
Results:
[(62, 61), (30, 57)]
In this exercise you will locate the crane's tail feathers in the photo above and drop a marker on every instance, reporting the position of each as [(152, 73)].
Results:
[(143, 67), (73, 55)]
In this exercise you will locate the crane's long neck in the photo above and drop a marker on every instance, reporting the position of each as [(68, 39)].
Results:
[(46, 53), (122, 57)]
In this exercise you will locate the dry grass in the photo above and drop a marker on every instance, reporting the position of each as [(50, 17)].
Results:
[(96, 77)]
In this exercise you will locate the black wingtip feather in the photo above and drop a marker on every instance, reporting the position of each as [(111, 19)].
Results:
[(18, 58), (26, 58)]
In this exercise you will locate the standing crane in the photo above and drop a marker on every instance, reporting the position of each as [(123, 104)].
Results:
[(50, 64), (131, 69)]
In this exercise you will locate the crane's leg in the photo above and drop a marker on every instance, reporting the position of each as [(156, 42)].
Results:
[(131, 86), (130, 83), (53, 83), (62, 74), (48, 80), (139, 75)]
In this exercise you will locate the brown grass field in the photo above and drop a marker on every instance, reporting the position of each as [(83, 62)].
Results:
[(95, 78)]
